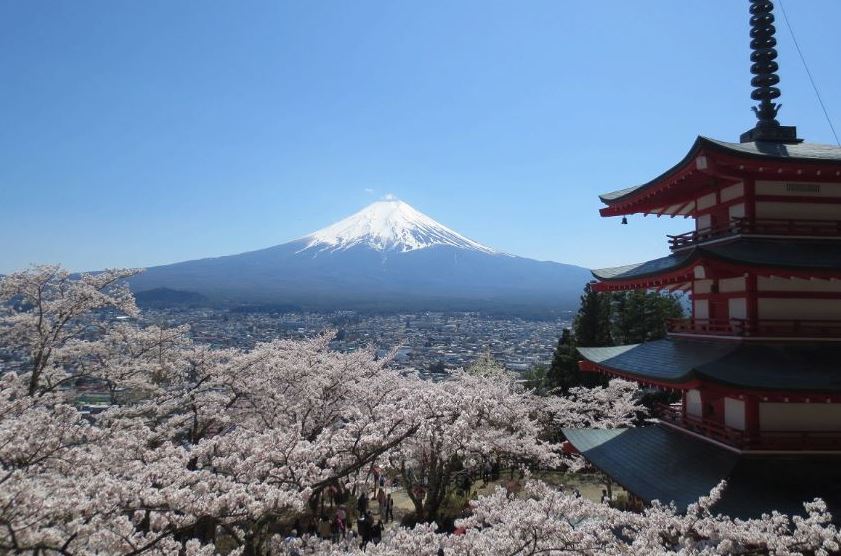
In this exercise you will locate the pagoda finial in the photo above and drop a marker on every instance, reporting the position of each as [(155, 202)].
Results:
[(765, 79)]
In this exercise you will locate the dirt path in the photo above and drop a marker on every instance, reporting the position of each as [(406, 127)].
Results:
[(590, 486)]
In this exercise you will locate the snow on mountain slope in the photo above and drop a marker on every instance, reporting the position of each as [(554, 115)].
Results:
[(389, 225), (386, 257)]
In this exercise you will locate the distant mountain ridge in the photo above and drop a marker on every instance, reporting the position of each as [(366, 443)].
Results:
[(385, 257)]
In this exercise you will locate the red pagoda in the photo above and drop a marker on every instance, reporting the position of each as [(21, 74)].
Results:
[(758, 364)]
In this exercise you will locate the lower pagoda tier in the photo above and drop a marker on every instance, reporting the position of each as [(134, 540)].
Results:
[(660, 463), (751, 397)]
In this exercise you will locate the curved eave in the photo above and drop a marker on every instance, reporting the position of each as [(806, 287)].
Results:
[(773, 370), (694, 380), (693, 172), (785, 258), (657, 273), (628, 193), (684, 382)]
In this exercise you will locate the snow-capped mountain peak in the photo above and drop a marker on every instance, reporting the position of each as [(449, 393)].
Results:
[(389, 225)]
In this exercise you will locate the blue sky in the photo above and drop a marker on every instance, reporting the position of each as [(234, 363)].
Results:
[(141, 133)]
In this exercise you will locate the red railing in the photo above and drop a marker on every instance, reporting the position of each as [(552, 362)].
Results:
[(720, 327), (765, 328), (764, 226), (762, 440), (705, 427), (704, 234)]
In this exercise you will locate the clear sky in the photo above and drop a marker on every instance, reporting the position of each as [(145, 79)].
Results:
[(135, 133)]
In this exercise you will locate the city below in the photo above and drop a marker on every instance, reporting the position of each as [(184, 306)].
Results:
[(430, 342)]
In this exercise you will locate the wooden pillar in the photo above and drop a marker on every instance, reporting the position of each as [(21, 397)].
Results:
[(750, 198), (752, 301)]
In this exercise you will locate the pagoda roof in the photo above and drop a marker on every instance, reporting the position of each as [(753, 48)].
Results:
[(811, 152), (693, 172), (819, 256), (660, 463), (645, 269), (655, 462), (684, 363)]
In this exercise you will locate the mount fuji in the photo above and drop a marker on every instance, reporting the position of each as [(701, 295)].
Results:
[(388, 256), (390, 225)]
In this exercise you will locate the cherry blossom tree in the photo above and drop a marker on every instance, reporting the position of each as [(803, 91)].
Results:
[(204, 440), (613, 406), (544, 520), (467, 421), (205, 450)]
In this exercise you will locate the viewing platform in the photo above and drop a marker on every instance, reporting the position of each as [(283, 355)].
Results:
[(743, 440), (762, 329), (766, 227)]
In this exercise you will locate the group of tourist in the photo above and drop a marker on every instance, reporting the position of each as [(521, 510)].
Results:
[(369, 526)]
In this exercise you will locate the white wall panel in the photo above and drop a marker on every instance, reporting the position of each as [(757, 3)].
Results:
[(737, 210), (774, 283), (734, 413), (799, 417), (706, 201), (693, 403), (737, 308), (731, 284), (805, 309), (797, 189), (702, 309), (798, 211), (702, 286), (733, 192)]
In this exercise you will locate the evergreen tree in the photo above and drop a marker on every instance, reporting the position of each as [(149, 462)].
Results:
[(641, 316), (607, 319), (592, 323), (564, 373)]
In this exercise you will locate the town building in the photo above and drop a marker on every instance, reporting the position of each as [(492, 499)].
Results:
[(757, 366)]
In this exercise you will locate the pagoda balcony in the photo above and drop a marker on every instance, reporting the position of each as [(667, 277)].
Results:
[(743, 440), (743, 226), (762, 329)]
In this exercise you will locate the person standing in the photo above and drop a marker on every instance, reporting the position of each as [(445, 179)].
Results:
[(377, 532), (336, 530), (363, 525), (389, 508), (341, 522), (381, 501), (605, 497), (362, 503)]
